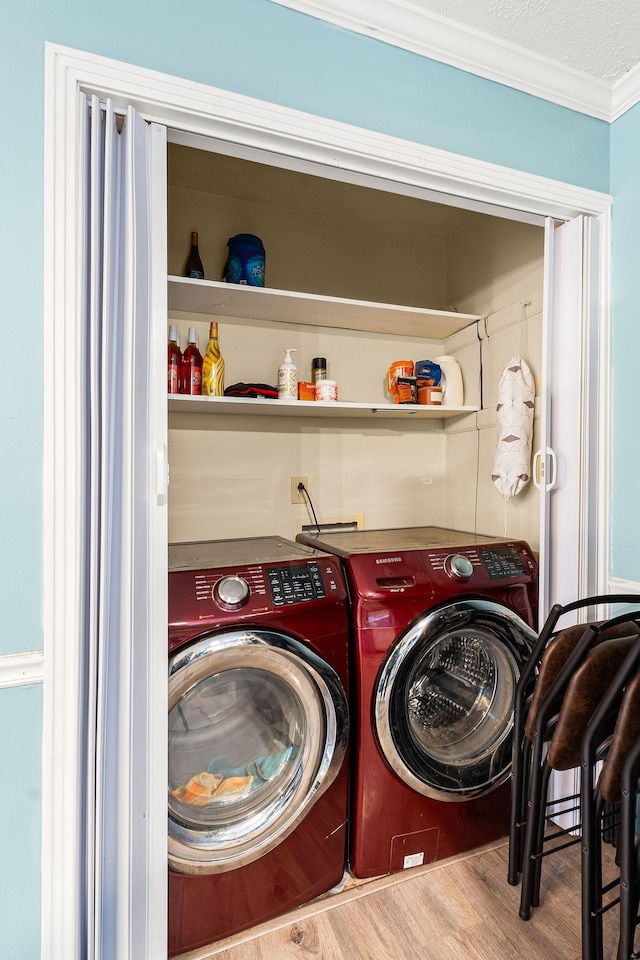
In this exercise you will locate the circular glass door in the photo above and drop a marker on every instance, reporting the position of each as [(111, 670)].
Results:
[(257, 730), (443, 703)]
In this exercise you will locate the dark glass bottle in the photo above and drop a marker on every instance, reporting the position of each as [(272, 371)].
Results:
[(193, 267)]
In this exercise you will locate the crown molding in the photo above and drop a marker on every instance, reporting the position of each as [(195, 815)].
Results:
[(626, 92), (406, 25)]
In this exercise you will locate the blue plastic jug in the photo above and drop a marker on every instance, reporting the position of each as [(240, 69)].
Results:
[(245, 261)]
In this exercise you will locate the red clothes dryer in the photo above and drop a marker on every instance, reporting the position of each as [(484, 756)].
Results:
[(442, 622), (258, 733)]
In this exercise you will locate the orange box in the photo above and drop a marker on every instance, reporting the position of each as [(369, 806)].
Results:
[(306, 390)]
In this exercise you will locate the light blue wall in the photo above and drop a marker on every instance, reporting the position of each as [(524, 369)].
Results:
[(251, 47), (20, 762), (625, 186)]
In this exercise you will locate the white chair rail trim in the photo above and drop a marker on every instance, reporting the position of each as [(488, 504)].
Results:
[(21, 669)]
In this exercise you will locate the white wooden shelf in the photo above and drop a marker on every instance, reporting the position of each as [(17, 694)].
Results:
[(215, 298), (311, 408)]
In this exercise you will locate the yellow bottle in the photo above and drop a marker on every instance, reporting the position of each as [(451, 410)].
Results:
[(213, 366)]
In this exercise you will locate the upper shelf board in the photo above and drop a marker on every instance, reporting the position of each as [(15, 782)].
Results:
[(213, 297), (302, 408)]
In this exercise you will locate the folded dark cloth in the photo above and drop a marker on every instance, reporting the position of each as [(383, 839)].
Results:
[(262, 390)]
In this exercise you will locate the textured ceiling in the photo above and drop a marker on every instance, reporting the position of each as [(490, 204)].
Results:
[(598, 37)]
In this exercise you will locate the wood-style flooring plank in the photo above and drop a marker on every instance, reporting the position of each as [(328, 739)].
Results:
[(461, 909), (304, 940)]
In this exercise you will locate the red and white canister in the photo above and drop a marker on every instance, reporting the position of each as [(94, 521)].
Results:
[(326, 390)]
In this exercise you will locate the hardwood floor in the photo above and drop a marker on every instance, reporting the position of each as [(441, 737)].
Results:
[(458, 909)]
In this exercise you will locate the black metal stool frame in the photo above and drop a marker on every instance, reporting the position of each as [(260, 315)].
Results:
[(538, 776), (628, 855), (521, 745), (592, 810)]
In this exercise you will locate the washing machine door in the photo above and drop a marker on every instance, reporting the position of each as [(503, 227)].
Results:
[(258, 728), (443, 702)]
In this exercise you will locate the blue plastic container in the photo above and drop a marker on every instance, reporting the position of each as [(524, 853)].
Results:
[(428, 370), (245, 261)]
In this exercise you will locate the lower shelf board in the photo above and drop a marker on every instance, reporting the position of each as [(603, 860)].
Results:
[(310, 408)]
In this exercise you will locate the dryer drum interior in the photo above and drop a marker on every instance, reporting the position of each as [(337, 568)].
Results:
[(257, 731), (443, 704)]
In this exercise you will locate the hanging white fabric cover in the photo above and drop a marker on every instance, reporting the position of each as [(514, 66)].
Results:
[(516, 396)]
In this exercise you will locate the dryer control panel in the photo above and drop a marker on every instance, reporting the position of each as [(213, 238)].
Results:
[(483, 565), (502, 563)]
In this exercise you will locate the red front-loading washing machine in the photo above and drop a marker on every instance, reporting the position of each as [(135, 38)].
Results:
[(258, 733), (442, 622)]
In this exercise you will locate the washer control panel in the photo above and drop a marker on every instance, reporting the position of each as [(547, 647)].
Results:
[(256, 586), (306, 594), (295, 584), (231, 592)]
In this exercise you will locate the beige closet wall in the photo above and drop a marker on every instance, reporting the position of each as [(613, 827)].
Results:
[(495, 269), (341, 253), (230, 475)]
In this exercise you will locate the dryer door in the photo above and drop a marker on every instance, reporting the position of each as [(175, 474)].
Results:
[(443, 702), (258, 728)]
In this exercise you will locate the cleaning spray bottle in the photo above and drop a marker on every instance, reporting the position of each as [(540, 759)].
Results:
[(288, 377)]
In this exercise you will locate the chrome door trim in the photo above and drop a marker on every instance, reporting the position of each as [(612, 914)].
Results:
[(432, 626), (200, 851)]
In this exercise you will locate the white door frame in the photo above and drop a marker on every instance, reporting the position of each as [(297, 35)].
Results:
[(291, 139)]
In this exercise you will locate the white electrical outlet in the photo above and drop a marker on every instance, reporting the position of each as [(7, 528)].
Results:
[(297, 496)]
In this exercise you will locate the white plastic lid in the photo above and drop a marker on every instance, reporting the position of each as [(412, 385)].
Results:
[(173, 334), (287, 354), (193, 336)]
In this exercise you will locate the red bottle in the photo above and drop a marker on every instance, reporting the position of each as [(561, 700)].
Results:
[(191, 376), (174, 362)]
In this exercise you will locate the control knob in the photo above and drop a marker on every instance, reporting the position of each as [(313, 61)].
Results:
[(458, 567), (231, 592)]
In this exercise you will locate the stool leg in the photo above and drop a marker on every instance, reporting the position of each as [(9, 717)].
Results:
[(628, 875), (591, 876), (534, 803), (542, 822), (591, 813), (519, 787)]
